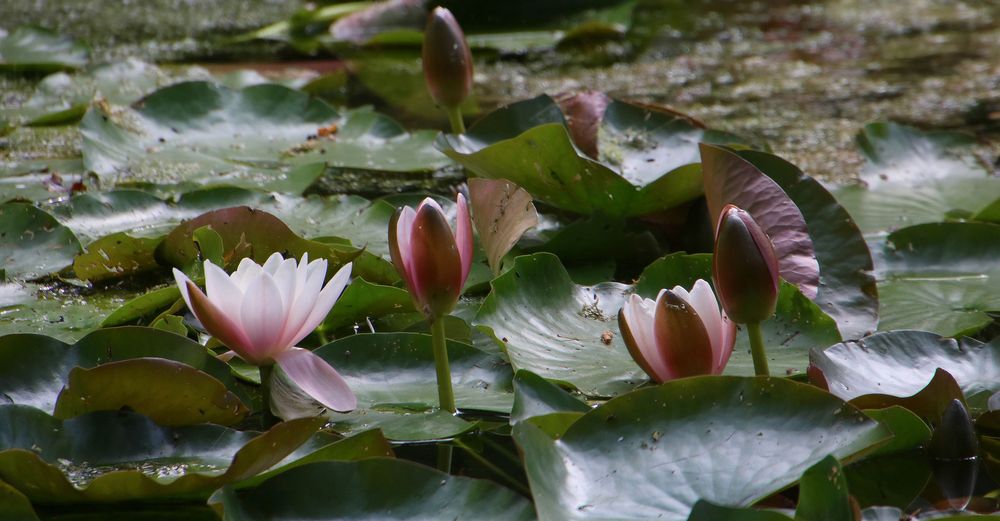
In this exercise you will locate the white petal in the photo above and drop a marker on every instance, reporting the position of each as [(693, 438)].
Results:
[(305, 300), (285, 279), (222, 292), (263, 316), (703, 300), (272, 263), (325, 301), (182, 281), (245, 272)]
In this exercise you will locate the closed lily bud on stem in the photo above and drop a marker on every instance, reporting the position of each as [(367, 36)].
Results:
[(432, 259), (447, 59), (745, 267), (679, 334)]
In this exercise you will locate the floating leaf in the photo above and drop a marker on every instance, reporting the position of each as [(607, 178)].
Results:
[(116, 256), (666, 449), (32, 243), (168, 392), (823, 494), (34, 49), (34, 368), (199, 133), (940, 277), (554, 328), (901, 363), (122, 456), (535, 396), (898, 153), (417, 492)]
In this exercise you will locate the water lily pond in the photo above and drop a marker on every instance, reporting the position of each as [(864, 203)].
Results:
[(591, 260)]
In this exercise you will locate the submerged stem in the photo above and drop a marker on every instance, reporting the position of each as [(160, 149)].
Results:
[(757, 349), (446, 396), (267, 418), (444, 458), (455, 117)]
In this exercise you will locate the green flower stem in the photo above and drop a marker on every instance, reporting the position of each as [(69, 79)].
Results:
[(757, 349), (446, 396), (444, 458), (267, 418), (457, 123)]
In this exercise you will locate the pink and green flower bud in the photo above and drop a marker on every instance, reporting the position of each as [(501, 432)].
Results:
[(447, 60), (745, 267), (433, 260), (679, 334)]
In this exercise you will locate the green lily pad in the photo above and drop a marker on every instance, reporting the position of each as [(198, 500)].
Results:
[(33, 49), (122, 456), (529, 144), (901, 363), (940, 277), (797, 326), (38, 179), (536, 396), (117, 255), (705, 511), (168, 392), (35, 368), (417, 492), (199, 133), (898, 153), (362, 299), (56, 309), (553, 328), (664, 449), (33, 243), (823, 493), (63, 98), (396, 370), (847, 290)]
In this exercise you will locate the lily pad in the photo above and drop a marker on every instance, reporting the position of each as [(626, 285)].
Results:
[(198, 133), (940, 277), (56, 309), (536, 396), (646, 160), (901, 363), (417, 492), (33, 49), (122, 456), (33, 243), (35, 368), (655, 452), (898, 153), (553, 328), (168, 392), (387, 370)]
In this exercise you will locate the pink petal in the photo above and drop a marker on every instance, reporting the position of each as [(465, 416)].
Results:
[(217, 323), (429, 201), (309, 282), (404, 235), (702, 298), (182, 282), (681, 337), (314, 376), (245, 272), (272, 263), (463, 237), (638, 314), (285, 278), (728, 341), (263, 316)]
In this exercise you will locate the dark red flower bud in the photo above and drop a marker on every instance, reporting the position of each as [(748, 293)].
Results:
[(447, 59), (745, 267)]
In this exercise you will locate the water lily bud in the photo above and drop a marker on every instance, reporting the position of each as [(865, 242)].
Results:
[(745, 267), (679, 334), (447, 59), (433, 260), (954, 450)]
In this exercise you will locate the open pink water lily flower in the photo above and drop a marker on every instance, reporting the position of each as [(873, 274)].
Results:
[(261, 312), (432, 259), (679, 334)]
